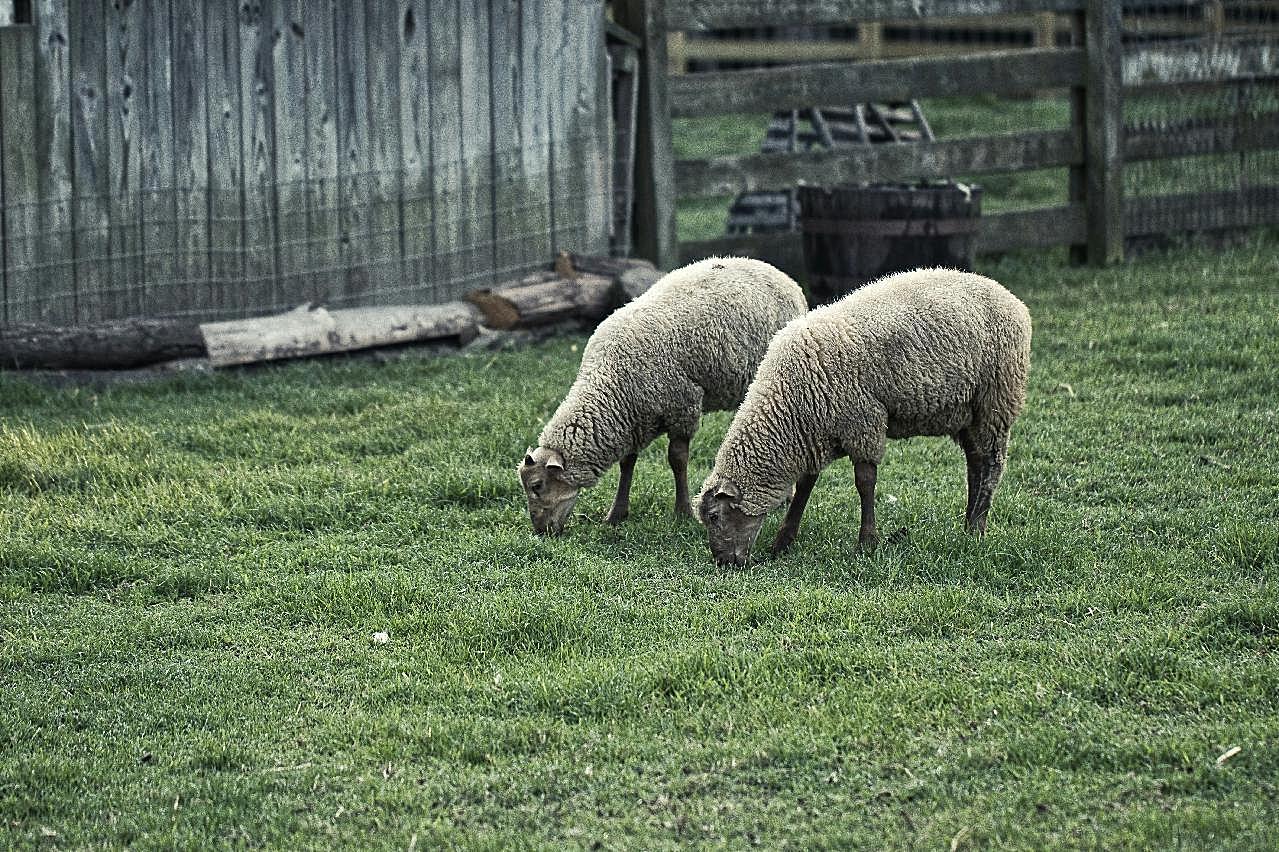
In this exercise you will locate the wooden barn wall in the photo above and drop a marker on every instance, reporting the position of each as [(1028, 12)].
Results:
[(213, 159)]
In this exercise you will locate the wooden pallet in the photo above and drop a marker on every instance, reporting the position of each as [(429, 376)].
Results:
[(820, 128)]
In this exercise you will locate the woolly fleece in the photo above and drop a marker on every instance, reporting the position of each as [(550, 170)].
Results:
[(927, 352), (689, 344)]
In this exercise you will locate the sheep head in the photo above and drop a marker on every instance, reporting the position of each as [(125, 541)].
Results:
[(730, 531), (550, 496)]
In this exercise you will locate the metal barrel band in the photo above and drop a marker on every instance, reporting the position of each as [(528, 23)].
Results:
[(891, 227)]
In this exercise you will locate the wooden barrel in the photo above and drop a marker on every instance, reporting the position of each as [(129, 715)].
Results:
[(855, 234)]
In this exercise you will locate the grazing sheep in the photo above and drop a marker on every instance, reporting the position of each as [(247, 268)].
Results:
[(687, 345), (928, 352)]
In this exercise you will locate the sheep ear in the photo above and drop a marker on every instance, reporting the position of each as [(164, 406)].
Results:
[(554, 461), (727, 491), (528, 457)]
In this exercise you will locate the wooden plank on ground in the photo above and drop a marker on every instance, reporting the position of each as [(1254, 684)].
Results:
[(159, 207), (386, 231), (353, 151), (307, 331), (257, 145), (721, 14), (784, 87), (446, 146), (191, 292), (124, 297), (415, 149), (1004, 152), (90, 159), (290, 28), (323, 233), (55, 249), (476, 200), (227, 290), (21, 175)]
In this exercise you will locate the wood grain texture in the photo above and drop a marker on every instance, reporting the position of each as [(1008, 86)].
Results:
[(323, 237), (1103, 132), (784, 87), (417, 213), (718, 14), (257, 157), (55, 250), (353, 151), (386, 229), (290, 31), (532, 238), (1007, 152), (20, 174), (446, 146), (159, 201), (504, 83), (476, 197), (191, 294), (125, 71), (227, 290), (90, 157)]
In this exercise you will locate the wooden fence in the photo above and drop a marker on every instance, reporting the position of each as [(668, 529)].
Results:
[(1095, 67), (209, 158)]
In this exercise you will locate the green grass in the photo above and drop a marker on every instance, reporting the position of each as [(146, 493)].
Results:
[(191, 572)]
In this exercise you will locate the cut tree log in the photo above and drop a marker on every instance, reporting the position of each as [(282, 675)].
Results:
[(545, 298), (110, 345), (306, 331)]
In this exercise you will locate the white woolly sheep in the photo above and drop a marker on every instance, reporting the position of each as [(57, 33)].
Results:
[(927, 352), (689, 344)]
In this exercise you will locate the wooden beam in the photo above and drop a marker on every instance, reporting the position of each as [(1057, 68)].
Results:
[(654, 149), (723, 14), (1241, 133), (1202, 211), (1007, 152), (790, 86), (1103, 132), (1199, 61)]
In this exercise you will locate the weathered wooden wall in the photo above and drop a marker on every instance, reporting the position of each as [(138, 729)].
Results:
[(217, 159)]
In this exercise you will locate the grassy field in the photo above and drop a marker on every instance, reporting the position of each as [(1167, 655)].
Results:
[(192, 571)]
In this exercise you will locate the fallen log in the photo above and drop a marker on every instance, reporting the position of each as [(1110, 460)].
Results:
[(116, 344), (306, 331), (545, 298)]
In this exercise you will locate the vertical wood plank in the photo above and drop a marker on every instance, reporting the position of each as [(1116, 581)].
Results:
[(593, 104), (226, 291), (91, 166), (1103, 149), (446, 146), (353, 150), (20, 170), (257, 154), (534, 136), (561, 80), (322, 153), (159, 210), (415, 148), (290, 29), (504, 80), (125, 73), (191, 293), (477, 146), (56, 247), (655, 236), (1077, 176), (386, 243)]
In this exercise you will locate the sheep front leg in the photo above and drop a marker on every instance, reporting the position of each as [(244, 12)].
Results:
[(677, 456), (622, 502), (864, 473), (991, 471), (790, 525)]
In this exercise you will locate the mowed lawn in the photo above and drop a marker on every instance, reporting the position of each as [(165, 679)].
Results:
[(192, 572)]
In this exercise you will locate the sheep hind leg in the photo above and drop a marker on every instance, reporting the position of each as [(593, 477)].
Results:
[(622, 502), (991, 471), (864, 474), (973, 459), (677, 456), (789, 529)]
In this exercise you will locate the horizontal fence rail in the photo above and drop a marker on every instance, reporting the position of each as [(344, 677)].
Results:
[(723, 14)]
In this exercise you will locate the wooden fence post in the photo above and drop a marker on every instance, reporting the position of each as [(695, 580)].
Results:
[(1103, 132), (655, 237)]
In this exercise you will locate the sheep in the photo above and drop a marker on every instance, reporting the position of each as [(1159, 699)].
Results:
[(926, 352), (687, 345)]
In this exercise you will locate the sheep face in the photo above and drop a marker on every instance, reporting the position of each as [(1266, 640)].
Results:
[(550, 497), (730, 531)]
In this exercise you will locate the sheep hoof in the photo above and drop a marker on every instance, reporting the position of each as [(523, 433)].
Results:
[(684, 510), (615, 518)]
